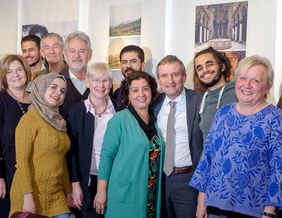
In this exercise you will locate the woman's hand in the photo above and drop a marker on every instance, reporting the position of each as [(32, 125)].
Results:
[(69, 200), (100, 200), (29, 204), (270, 210), (2, 188), (201, 208), (77, 195)]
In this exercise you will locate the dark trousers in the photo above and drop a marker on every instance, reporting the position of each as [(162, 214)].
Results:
[(178, 199), (89, 211), (5, 207)]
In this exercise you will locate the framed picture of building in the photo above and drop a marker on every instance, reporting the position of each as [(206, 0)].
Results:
[(223, 27)]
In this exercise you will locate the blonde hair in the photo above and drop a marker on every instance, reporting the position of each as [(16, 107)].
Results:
[(248, 62), (99, 69)]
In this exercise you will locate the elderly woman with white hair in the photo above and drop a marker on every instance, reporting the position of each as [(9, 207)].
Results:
[(240, 172), (88, 121)]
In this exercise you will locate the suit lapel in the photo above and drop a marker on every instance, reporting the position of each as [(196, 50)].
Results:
[(158, 104), (89, 129), (190, 112)]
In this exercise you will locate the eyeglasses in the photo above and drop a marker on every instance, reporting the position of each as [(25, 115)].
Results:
[(103, 81), (80, 52)]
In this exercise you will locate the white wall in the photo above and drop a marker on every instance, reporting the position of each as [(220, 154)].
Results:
[(153, 31), (278, 52), (8, 24), (99, 19)]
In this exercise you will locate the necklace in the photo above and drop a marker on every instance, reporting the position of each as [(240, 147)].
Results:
[(99, 114), (21, 107), (14, 97)]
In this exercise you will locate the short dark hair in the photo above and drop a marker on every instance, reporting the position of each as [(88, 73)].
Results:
[(171, 59), (125, 84), (133, 48), (220, 58), (32, 38)]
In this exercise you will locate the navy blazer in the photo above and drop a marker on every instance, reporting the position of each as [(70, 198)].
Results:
[(81, 133), (195, 136)]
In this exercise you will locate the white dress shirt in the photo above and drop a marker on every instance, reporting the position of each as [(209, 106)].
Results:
[(182, 155)]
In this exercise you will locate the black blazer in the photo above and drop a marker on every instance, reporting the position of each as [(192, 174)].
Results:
[(81, 132), (195, 138), (72, 96)]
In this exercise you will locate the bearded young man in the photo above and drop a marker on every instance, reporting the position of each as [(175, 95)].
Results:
[(30, 46), (132, 58), (212, 68)]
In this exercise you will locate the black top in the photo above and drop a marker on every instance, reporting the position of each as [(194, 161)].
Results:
[(117, 99), (10, 115), (149, 129)]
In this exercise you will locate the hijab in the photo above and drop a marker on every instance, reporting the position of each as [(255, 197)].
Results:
[(37, 90)]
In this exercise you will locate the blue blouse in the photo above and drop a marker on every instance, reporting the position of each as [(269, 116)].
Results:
[(241, 166)]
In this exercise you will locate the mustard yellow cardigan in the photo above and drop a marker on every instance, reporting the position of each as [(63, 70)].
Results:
[(40, 166)]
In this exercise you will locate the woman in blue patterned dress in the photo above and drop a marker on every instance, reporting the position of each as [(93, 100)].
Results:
[(240, 171)]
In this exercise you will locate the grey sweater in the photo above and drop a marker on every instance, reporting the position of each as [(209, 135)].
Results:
[(212, 101)]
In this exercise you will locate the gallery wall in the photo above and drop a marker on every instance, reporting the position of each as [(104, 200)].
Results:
[(261, 32), (9, 26), (167, 26)]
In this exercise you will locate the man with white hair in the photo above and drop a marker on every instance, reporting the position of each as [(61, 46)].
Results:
[(77, 53)]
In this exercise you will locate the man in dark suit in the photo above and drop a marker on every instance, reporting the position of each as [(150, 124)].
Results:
[(77, 53), (183, 138)]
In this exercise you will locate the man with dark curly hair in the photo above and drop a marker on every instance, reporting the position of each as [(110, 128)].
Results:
[(212, 69)]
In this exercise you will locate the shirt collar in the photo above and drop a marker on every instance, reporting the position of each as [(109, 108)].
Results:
[(73, 77), (89, 107), (179, 100)]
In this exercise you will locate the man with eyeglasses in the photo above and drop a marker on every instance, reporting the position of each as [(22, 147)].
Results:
[(77, 53), (52, 46), (131, 59)]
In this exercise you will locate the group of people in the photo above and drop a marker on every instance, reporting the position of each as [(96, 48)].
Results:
[(151, 148)]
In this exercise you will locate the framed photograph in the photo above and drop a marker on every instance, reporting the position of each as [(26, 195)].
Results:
[(223, 27)]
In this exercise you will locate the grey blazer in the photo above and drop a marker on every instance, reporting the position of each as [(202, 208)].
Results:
[(195, 137)]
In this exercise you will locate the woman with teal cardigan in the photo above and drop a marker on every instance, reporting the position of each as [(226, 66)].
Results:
[(129, 175)]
